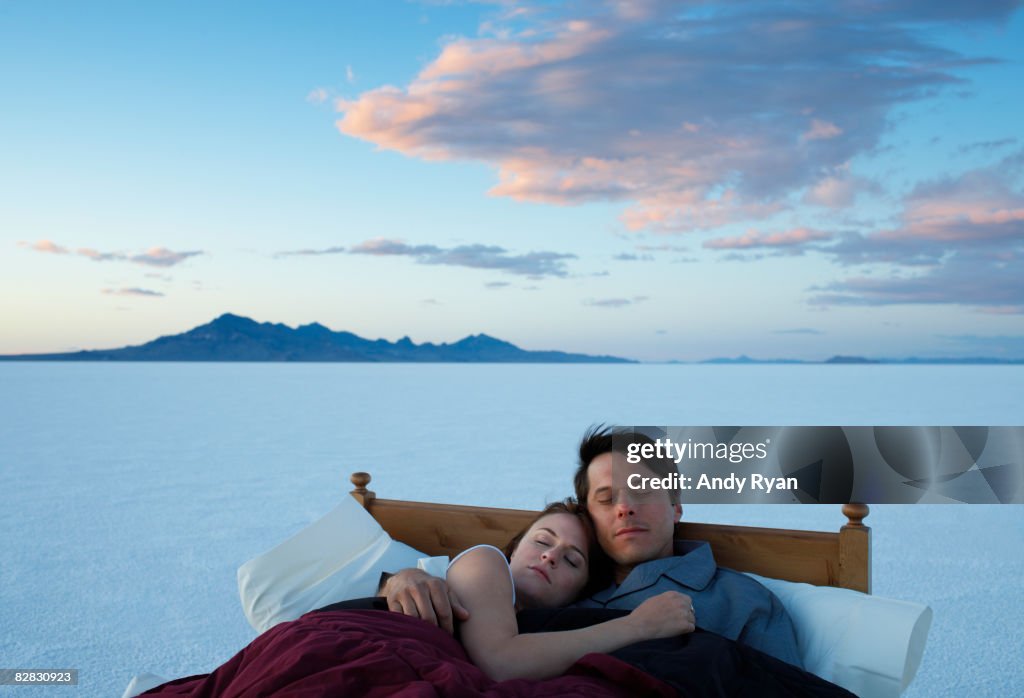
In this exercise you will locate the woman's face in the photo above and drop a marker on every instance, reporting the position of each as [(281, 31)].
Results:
[(549, 566)]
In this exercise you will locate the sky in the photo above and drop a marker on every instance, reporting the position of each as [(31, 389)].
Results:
[(653, 180)]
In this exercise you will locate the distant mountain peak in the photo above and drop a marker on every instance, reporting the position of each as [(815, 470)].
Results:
[(483, 340), (313, 328), (232, 320)]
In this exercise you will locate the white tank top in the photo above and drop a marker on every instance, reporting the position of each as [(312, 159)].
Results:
[(456, 559)]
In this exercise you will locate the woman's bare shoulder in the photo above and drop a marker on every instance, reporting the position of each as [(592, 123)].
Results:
[(482, 568), (478, 559), (483, 582)]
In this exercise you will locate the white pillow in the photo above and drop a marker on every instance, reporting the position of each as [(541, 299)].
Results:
[(869, 645), (337, 557), (141, 683)]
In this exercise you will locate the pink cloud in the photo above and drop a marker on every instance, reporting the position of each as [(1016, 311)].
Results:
[(962, 220), (821, 131), (162, 257), (663, 106), (47, 246), (154, 257), (97, 256), (754, 239), (977, 210), (979, 206), (965, 235), (838, 189)]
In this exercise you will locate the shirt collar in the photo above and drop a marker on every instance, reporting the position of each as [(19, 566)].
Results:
[(692, 565)]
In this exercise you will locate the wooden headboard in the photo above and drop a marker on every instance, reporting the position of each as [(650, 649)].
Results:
[(840, 559)]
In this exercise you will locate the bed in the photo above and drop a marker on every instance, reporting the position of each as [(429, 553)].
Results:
[(872, 646), (858, 642)]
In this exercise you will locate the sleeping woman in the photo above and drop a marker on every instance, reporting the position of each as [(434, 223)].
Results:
[(547, 566)]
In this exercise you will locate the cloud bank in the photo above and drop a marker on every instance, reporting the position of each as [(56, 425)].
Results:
[(960, 240), (753, 239), (153, 257), (476, 256), (695, 115)]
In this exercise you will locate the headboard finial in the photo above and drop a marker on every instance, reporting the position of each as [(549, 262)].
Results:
[(359, 481), (855, 513)]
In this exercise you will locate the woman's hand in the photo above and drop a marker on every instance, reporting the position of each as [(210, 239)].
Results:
[(665, 615)]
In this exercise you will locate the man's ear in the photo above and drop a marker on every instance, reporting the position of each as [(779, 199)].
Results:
[(678, 508)]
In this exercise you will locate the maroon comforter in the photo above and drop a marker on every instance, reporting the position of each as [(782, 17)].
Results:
[(376, 653)]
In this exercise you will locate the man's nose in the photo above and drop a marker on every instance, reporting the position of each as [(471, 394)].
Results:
[(624, 507)]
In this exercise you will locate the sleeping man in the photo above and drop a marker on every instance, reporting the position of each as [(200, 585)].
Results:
[(635, 528)]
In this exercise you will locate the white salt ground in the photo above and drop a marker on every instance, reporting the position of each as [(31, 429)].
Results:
[(131, 493)]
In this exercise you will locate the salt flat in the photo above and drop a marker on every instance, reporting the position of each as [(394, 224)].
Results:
[(132, 492)]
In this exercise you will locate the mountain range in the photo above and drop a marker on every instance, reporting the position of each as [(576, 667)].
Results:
[(235, 338)]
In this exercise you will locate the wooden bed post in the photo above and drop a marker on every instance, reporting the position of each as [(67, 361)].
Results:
[(364, 496), (855, 549)]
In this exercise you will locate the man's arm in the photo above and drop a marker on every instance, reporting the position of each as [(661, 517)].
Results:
[(420, 595)]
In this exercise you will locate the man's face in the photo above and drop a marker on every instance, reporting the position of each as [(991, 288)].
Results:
[(633, 526)]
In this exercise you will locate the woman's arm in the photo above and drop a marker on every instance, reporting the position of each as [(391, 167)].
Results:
[(491, 636)]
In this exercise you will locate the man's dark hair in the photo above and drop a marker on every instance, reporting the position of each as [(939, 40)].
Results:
[(604, 439)]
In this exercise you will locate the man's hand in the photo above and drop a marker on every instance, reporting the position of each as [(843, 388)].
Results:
[(665, 615), (420, 595)]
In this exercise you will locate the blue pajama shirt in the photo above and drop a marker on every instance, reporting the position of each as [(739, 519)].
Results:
[(725, 602)]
